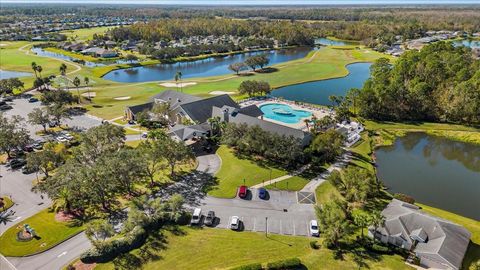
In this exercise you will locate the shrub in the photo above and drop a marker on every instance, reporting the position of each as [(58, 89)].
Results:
[(475, 265), (377, 248), (70, 267), (253, 266), (291, 263), (314, 245), (404, 197), (105, 251)]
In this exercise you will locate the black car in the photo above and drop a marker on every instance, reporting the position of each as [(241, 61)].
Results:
[(17, 163), (8, 99), (210, 218), (28, 170), (5, 107), (52, 124), (32, 100)]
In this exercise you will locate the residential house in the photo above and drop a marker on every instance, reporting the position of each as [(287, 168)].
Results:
[(438, 243)]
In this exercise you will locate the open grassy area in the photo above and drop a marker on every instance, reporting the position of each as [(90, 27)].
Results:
[(85, 34), (295, 183), (50, 233), (234, 170), (317, 65), (451, 131), (222, 249)]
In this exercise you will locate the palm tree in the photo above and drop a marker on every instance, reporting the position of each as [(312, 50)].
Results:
[(86, 80), (62, 201), (34, 67), (63, 69), (307, 122), (4, 218), (178, 77), (39, 69), (76, 82), (376, 220)]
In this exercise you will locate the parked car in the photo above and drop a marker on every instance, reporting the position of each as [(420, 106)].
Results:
[(61, 139), (33, 100), (8, 99), (314, 231), (5, 107), (235, 223), (196, 216), (144, 135), (242, 192), (17, 163), (28, 170), (67, 136), (210, 218), (52, 124), (28, 148), (131, 122), (262, 193), (2, 102)]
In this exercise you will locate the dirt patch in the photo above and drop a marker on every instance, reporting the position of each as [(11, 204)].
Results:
[(89, 94), (185, 84), (122, 98), (217, 93), (79, 265), (62, 216)]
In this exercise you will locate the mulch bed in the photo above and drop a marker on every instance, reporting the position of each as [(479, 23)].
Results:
[(64, 216), (79, 265)]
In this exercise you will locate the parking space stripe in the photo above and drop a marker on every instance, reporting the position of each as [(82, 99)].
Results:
[(293, 223), (280, 226), (253, 229)]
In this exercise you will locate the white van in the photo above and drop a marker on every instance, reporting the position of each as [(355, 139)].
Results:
[(196, 216)]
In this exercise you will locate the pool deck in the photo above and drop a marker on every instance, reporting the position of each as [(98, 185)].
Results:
[(318, 112)]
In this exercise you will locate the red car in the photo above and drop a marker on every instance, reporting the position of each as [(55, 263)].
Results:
[(242, 192)]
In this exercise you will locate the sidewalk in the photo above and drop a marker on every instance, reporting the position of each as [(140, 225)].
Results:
[(281, 178)]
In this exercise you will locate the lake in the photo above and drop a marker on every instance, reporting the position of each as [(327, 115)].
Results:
[(42, 52), (6, 74), (332, 42), (317, 92), (212, 66), (433, 170), (467, 43)]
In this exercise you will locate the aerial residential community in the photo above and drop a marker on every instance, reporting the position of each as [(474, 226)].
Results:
[(248, 136)]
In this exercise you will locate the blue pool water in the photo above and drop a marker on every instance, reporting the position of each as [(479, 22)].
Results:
[(283, 113)]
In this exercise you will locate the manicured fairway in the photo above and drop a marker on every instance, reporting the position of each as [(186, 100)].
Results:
[(85, 34), (50, 233), (222, 249)]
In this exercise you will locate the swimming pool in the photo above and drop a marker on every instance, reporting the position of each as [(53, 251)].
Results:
[(283, 113)]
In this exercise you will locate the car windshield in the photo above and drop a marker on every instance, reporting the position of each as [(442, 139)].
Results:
[(314, 227)]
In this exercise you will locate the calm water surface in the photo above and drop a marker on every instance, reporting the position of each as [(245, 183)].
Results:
[(201, 68), (474, 44), (435, 171), (317, 92), (6, 74), (331, 42)]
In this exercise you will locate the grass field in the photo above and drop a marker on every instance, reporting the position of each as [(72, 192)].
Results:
[(50, 233), (222, 249), (295, 183), (85, 34), (323, 64), (234, 170)]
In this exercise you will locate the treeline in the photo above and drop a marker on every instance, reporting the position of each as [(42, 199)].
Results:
[(291, 33), (439, 83)]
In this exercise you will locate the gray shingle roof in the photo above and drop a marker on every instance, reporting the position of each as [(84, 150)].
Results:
[(446, 241), (201, 110), (140, 108), (175, 98), (251, 110)]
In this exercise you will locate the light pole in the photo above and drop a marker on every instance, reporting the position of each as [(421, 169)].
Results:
[(266, 226)]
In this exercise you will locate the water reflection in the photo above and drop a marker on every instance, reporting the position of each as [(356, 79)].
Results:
[(434, 170)]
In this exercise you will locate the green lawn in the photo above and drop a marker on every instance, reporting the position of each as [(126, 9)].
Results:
[(50, 233), (295, 183), (451, 131), (222, 249), (325, 192), (234, 170), (85, 34), (7, 203)]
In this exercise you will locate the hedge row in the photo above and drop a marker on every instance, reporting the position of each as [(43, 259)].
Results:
[(109, 249), (292, 263)]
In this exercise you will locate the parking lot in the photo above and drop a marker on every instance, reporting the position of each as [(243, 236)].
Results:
[(280, 213)]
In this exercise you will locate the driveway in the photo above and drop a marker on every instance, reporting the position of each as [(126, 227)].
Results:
[(280, 214)]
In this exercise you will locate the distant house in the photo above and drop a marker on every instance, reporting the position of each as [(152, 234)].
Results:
[(438, 243), (191, 109), (100, 52)]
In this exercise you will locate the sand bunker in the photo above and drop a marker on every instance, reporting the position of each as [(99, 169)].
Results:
[(3, 45), (185, 84), (89, 94), (217, 93), (122, 98)]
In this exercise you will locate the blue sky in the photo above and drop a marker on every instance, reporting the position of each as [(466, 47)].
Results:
[(253, 2)]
